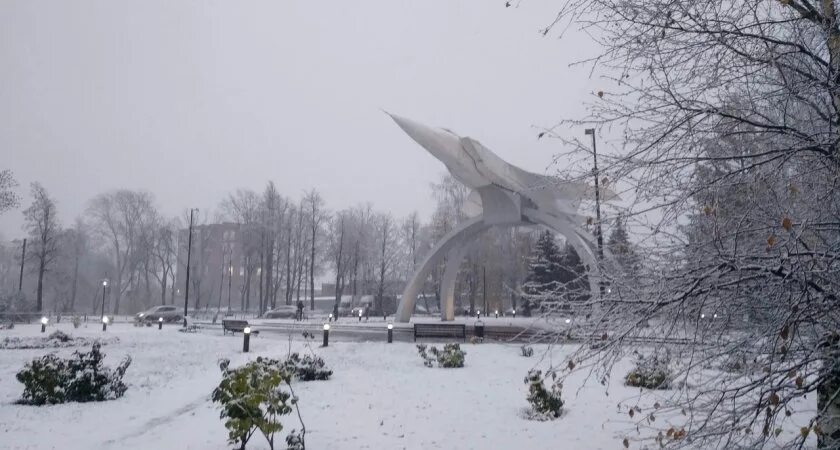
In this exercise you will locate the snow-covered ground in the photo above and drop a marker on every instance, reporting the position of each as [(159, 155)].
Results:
[(380, 397)]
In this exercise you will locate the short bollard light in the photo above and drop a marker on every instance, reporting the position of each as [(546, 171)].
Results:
[(104, 323), (497, 313), (326, 334), (160, 323), (514, 313), (360, 315), (246, 339), (44, 321), (478, 314), (390, 333), (331, 317)]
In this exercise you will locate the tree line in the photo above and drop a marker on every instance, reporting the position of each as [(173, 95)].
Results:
[(287, 245)]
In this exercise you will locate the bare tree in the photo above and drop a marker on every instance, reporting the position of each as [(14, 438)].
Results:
[(410, 236), (338, 252), (43, 227), (165, 253), (77, 244), (243, 208), (728, 114), (314, 205), (119, 219), (387, 256)]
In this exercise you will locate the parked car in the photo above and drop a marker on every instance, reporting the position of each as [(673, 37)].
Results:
[(169, 313), (281, 312)]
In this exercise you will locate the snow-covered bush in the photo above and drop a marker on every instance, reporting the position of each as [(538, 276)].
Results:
[(527, 351), (52, 341), (307, 368), (77, 321), (81, 378), (451, 355), (546, 404), (59, 336), (294, 441), (252, 400), (652, 371), (737, 362)]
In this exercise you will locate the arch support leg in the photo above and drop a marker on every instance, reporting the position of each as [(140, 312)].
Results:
[(447, 285), (457, 237)]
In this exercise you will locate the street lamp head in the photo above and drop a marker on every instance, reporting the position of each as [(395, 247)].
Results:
[(390, 326), (104, 283), (160, 319), (44, 320), (247, 330), (589, 131), (104, 319), (326, 327), (568, 320)]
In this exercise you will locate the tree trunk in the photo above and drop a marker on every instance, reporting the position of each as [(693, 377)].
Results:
[(163, 282), (288, 292), (75, 284), (40, 294), (312, 263)]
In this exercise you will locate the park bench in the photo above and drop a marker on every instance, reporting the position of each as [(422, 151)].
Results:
[(234, 325), (439, 330)]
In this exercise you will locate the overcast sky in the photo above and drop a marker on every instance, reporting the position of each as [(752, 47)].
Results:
[(191, 100)]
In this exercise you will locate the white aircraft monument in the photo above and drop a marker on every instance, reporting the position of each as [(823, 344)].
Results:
[(502, 195)]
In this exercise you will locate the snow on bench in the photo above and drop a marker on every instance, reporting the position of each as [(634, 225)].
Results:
[(234, 325)]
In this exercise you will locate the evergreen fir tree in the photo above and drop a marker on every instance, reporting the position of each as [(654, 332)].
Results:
[(621, 248), (573, 275), (555, 277)]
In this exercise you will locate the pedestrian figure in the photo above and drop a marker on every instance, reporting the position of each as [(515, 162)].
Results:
[(299, 310)]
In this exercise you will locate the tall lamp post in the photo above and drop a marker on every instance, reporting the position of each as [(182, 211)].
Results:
[(104, 288), (189, 254), (591, 132), (22, 260)]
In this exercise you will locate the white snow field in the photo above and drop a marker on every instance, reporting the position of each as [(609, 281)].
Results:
[(380, 397)]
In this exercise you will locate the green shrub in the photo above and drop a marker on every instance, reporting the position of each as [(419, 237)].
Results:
[(252, 400), (307, 368), (545, 403), (651, 372), (451, 356), (81, 378)]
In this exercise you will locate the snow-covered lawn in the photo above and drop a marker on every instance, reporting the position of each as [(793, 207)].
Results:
[(380, 397)]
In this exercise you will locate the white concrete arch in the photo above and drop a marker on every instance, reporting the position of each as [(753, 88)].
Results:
[(454, 247)]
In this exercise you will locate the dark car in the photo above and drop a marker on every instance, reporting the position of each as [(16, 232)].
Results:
[(169, 313), (281, 312)]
